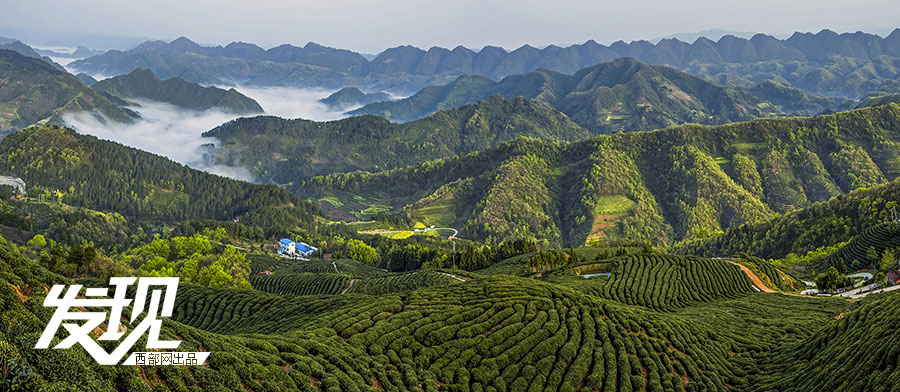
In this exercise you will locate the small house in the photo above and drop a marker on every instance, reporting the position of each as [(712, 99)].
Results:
[(893, 277)]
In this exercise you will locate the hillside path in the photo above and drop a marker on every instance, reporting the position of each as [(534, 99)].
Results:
[(753, 278), (352, 281), (453, 276)]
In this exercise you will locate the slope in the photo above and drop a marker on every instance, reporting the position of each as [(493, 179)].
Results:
[(31, 91), (281, 150), (142, 83), (623, 94), (88, 172), (685, 182)]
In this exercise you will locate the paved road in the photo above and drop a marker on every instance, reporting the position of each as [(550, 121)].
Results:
[(854, 294)]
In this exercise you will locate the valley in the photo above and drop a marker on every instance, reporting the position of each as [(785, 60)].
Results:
[(715, 215)]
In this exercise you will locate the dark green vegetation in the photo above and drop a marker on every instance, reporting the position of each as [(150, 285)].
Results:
[(281, 150), (101, 175), (662, 323), (143, 84), (621, 95), (32, 91), (685, 182), (851, 354), (849, 65), (879, 100), (348, 97), (860, 216)]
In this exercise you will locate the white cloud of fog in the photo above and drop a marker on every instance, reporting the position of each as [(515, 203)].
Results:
[(175, 133), (164, 130), (293, 102)]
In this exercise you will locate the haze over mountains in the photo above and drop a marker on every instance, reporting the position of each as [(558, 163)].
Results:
[(408, 69), (623, 94)]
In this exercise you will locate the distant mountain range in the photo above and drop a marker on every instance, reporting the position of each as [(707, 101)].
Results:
[(25, 50), (142, 83), (815, 62), (623, 94), (32, 91), (348, 97)]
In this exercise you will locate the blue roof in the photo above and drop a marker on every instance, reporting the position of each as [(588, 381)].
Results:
[(305, 248), (285, 241)]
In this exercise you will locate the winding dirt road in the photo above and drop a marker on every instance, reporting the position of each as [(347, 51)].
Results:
[(753, 278)]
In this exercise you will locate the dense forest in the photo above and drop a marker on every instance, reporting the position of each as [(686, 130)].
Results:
[(33, 91), (84, 171), (682, 183), (281, 150), (143, 84)]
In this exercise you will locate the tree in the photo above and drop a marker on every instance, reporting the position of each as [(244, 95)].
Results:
[(360, 251), (888, 260), (37, 242), (831, 280)]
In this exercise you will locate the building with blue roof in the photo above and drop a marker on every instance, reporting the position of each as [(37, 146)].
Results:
[(291, 248)]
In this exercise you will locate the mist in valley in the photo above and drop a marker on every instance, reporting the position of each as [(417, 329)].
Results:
[(175, 133)]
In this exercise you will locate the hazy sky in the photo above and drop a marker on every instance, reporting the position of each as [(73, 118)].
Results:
[(371, 25)]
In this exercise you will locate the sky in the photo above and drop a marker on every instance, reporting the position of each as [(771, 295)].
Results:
[(371, 26)]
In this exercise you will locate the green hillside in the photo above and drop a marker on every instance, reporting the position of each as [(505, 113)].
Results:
[(101, 175), (143, 84), (686, 182), (622, 95), (488, 333), (280, 150), (348, 97), (32, 91)]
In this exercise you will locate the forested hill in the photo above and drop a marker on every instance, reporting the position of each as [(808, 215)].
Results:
[(107, 176), (282, 150), (621, 95), (819, 225), (662, 186), (348, 97), (32, 91), (142, 83), (848, 64)]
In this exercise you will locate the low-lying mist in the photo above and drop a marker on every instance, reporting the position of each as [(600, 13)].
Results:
[(165, 130), (293, 102), (175, 133)]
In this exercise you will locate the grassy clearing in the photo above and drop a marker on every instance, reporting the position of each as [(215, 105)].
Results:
[(608, 211), (441, 213)]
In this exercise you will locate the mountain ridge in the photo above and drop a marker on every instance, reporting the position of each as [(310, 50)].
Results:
[(318, 66)]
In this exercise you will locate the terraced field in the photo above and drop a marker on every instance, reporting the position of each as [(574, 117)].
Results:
[(854, 255), (661, 282)]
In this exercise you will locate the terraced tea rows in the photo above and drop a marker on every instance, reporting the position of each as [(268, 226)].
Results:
[(855, 256), (285, 282), (666, 282), (300, 284), (402, 282), (504, 334)]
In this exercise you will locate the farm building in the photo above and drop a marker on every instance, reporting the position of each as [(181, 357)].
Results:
[(288, 247)]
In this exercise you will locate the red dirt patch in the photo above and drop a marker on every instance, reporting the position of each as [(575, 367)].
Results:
[(753, 278)]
